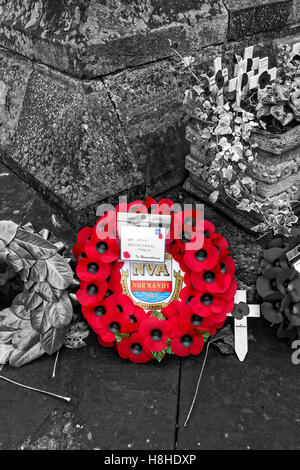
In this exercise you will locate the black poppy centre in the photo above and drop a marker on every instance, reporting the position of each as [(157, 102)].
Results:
[(201, 256), (196, 320), (209, 277), (207, 300), (92, 268), (136, 349), (100, 311), (156, 335), (186, 341), (92, 290), (102, 248), (115, 328)]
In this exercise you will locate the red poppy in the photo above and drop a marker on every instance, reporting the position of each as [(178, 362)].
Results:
[(106, 227), (202, 260), (220, 242), (173, 310), (120, 303), (95, 315), (227, 265), (114, 323), (113, 288), (133, 349), (212, 281), (82, 237), (106, 251), (156, 334), (186, 340), (188, 221), (187, 294), (91, 292), (104, 344), (208, 304), (89, 269), (150, 202), (136, 317), (187, 315)]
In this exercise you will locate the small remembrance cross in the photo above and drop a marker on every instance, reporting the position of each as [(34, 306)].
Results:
[(264, 76), (241, 82), (218, 81), (252, 64), (241, 326)]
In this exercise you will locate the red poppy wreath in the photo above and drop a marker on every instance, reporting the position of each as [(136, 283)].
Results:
[(184, 325)]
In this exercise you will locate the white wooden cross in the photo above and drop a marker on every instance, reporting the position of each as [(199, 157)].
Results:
[(240, 84), (252, 63), (218, 81), (241, 326), (263, 67)]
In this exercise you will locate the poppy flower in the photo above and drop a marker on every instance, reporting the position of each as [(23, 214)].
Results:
[(288, 282), (82, 237), (106, 251), (106, 227), (113, 288), (89, 269), (105, 344), (187, 315), (267, 289), (213, 281), (292, 310), (220, 243), (95, 314), (264, 80), (209, 304), (240, 311), (136, 317), (91, 292), (271, 312), (227, 265), (187, 294), (273, 259), (133, 349), (202, 260), (121, 303), (186, 341), (114, 323), (173, 310), (156, 334), (150, 203)]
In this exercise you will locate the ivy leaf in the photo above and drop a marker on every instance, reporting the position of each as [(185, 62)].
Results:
[(37, 317), (60, 275), (53, 339), (8, 230), (37, 246)]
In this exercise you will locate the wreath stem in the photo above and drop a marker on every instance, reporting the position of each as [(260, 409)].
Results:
[(55, 365), (68, 399)]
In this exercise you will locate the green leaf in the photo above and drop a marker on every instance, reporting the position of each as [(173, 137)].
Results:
[(44, 291), (120, 336), (53, 339), (6, 351), (35, 245), (61, 313), (158, 315), (8, 230), (159, 355), (206, 335), (25, 337), (18, 307), (37, 317), (60, 275), (169, 350), (14, 261)]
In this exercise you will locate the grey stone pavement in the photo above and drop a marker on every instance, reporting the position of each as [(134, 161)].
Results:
[(117, 405)]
